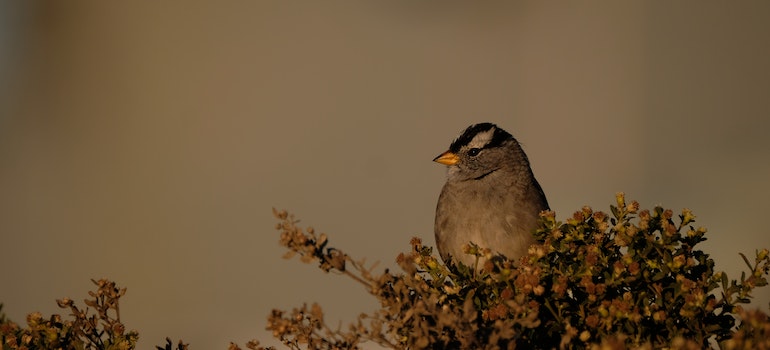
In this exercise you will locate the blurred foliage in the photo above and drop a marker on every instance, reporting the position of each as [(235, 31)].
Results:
[(631, 279)]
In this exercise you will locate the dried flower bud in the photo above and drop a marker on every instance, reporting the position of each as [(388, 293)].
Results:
[(538, 290), (34, 319), (633, 207), (65, 302)]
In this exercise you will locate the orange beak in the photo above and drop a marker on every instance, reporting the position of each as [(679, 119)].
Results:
[(447, 158)]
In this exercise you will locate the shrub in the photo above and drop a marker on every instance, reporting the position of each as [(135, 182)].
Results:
[(632, 279), (102, 330)]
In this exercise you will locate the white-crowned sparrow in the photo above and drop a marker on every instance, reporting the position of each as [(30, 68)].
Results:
[(490, 198)]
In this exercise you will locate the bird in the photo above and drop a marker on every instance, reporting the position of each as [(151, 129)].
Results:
[(490, 197)]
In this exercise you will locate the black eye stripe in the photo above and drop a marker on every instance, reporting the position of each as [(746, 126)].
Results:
[(474, 152)]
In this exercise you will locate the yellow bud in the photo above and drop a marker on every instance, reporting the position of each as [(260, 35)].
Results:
[(585, 335), (762, 254), (620, 197), (432, 264)]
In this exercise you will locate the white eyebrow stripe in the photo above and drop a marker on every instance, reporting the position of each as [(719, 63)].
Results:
[(482, 139)]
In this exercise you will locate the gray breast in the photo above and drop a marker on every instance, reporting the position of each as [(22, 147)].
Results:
[(502, 221)]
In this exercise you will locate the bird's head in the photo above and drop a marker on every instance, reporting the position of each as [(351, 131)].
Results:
[(479, 151)]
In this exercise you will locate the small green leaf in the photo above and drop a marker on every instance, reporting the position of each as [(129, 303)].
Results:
[(615, 212)]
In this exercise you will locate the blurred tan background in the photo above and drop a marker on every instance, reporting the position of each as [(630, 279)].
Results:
[(147, 142)]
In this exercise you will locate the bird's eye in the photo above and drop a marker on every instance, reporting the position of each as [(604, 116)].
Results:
[(474, 152)]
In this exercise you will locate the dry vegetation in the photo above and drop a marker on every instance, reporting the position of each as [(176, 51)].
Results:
[(629, 279)]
